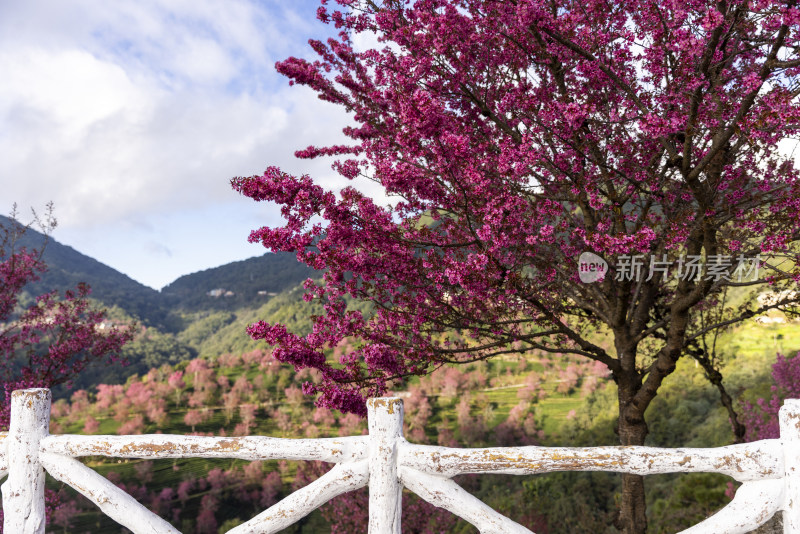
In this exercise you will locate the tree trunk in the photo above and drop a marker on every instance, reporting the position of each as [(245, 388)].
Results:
[(715, 377), (632, 430)]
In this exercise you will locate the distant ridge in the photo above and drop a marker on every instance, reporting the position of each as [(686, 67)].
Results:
[(246, 283), (67, 267)]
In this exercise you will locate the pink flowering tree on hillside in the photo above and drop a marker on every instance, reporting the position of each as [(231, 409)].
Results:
[(516, 136), (53, 339), (761, 417)]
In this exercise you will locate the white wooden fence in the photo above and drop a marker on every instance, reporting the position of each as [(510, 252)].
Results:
[(386, 462)]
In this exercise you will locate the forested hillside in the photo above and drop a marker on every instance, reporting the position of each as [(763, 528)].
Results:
[(203, 333), (67, 267), (242, 284), (246, 283)]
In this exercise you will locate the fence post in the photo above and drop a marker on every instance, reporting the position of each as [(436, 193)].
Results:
[(23, 491), (789, 416), (385, 417)]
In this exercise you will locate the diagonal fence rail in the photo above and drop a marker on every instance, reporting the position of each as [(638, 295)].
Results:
[(769, 471)]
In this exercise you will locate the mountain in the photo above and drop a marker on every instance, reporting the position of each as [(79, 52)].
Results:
[(242, 284), (66, 267), (203, 313)]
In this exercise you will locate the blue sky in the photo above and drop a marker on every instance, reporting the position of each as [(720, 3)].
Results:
[(132, 116)]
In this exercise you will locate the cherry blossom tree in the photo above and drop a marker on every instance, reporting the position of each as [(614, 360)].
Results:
[(108, 395), (91, 425), (247, 414), (195, 417), (156, 409), (206, 522), (176, 382), (63, 515), (135, 425), (55, 338), (204, 383), (554, 170), (761, 417)]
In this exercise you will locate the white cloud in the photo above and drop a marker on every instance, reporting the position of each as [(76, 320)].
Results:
[(122, 107), (72, 89)]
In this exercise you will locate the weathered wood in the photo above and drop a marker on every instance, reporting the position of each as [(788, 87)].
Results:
[(111, 500), (176, 446), (749, 461), (23, 491), (385, 419), (789, 417), (445, 493), (342, 478), (3, 455)]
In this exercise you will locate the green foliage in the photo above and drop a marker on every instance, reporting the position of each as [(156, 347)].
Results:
[(211, 334), (594, 422), (229, 524), (205, 326), (155, 349), (676, 502), (579, 503), (291, 310)]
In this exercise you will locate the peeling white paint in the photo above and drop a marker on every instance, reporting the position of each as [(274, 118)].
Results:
[(789, 418), (175, 446), (769, 470), (23, 491), (3, 455), (755, 502), (750, 461), (385, 490)]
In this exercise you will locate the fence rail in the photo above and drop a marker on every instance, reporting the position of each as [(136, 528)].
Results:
[(386, 462)]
